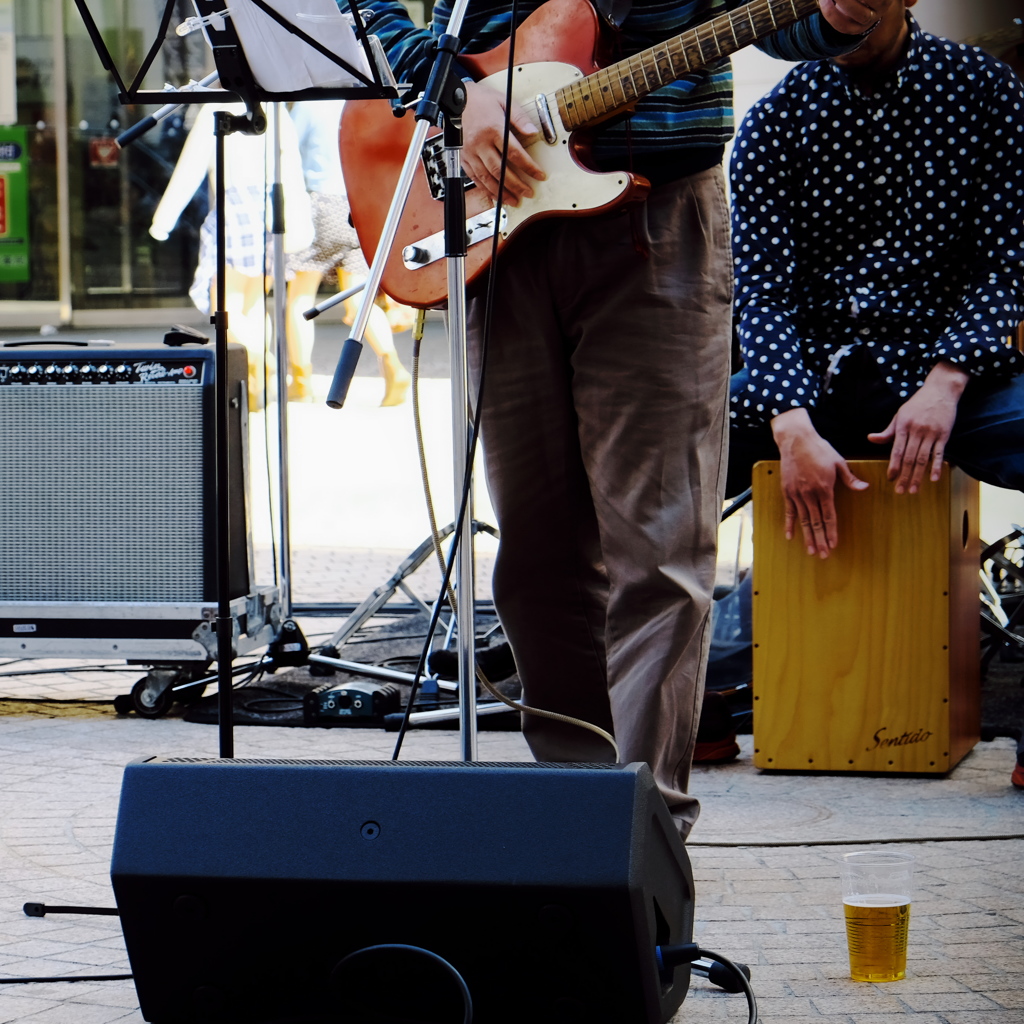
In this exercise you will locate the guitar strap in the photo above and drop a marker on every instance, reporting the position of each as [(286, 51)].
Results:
[(614, 12)]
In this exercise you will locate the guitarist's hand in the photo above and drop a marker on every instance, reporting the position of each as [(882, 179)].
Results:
[(852, 17), (483, 127)]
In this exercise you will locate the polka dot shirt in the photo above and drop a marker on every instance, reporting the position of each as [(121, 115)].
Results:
[(892, 220)]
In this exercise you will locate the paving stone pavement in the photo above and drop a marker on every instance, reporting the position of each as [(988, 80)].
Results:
[(770, 905), (765, 852)]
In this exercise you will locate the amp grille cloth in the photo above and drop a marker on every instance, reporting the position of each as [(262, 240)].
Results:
[(101, 493)]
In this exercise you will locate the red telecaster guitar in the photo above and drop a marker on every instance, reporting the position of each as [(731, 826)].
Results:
[(563, 89)]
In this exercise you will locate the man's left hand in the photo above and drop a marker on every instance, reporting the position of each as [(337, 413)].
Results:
[(851, 16), (921, 427)]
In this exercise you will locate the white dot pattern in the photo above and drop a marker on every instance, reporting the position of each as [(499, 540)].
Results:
[(893, 219)]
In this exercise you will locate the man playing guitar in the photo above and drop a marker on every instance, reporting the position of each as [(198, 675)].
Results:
[(604, 413)]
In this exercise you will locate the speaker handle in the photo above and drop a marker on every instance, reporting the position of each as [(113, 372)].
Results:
[(467, 999), (93, 343)]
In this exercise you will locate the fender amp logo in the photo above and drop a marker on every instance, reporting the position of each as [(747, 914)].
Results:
[(24, 627), (905, 740)]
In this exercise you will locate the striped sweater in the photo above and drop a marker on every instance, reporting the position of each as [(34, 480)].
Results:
[(693, 112)]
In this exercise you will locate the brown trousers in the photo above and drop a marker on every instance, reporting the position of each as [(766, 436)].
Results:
[(604, 426)]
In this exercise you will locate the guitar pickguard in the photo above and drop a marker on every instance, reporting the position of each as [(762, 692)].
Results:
[(569, 187), (558, 44)]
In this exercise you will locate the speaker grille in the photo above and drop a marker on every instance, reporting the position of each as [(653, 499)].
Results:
[(327, 763), (101, 493)]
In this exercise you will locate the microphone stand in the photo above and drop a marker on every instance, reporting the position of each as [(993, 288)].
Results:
[(224, 124), (284, 556), (445, 94)]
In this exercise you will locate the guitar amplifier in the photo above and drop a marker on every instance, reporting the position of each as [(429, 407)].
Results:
[(108, 502)]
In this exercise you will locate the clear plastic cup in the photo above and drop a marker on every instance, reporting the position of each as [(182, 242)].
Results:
[(877, 891)]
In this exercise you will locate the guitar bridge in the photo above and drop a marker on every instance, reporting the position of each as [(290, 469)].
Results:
[(433, 167), (431, 249)]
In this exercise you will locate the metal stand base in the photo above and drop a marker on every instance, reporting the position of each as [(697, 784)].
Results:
[(380, 597)]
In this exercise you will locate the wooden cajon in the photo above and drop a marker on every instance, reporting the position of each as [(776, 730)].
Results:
[(868, 661)]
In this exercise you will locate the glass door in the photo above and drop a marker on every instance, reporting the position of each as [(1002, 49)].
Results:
[(29, 222), (113, 192)]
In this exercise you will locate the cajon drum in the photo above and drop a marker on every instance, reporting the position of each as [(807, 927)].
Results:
[(869, 660)]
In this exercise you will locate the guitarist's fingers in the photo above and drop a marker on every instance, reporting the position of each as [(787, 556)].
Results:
[(520, 172), (483, 132), (521, 123), (484, 168)]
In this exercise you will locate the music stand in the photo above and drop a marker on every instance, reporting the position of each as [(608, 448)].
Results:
[(238, 83)]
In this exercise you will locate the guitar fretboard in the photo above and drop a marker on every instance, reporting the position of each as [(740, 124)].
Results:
[(608, 92)]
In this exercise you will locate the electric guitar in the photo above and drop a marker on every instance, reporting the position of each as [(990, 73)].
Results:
[(563, 88)]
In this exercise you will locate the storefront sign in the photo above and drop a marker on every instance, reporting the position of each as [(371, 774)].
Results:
[(14, 249), (103, 152)]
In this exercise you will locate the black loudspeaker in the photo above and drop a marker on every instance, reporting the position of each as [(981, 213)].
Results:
[(245, 888)]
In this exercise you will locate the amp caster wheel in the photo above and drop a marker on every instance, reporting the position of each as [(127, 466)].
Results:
[(152, 696)]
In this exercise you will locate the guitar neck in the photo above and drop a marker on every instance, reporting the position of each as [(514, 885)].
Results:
[(616, 88)]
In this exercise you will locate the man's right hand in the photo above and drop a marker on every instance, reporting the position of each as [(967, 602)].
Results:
[(810, 466), (483, 128)]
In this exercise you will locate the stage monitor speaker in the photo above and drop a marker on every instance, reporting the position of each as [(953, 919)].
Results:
[(244, 885)]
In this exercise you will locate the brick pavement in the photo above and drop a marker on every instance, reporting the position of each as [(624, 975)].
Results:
[(766, 894), (774, 907)]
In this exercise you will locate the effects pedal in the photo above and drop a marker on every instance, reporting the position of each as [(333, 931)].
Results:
[(339, 704)]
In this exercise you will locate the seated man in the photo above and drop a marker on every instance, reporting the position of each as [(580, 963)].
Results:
[(880, 259), (879, 241)]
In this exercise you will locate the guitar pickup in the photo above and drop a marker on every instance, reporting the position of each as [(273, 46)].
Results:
[(432, 156), (430, 250), (547, 124)]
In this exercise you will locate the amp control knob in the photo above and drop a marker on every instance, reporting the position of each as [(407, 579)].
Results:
[(51, 372), (105, 370), (70, 370), (17, 371), (35, 370), (122, 370)]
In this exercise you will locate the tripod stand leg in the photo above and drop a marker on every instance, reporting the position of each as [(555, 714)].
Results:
[(328, 657), (386, 590)]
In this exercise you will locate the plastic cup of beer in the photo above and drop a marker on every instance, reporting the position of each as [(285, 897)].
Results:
[(877, 888)]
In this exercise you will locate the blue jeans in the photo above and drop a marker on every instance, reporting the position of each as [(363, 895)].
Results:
[(987, 441)]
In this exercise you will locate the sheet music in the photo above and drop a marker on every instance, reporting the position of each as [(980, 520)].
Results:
[(281, 61)]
